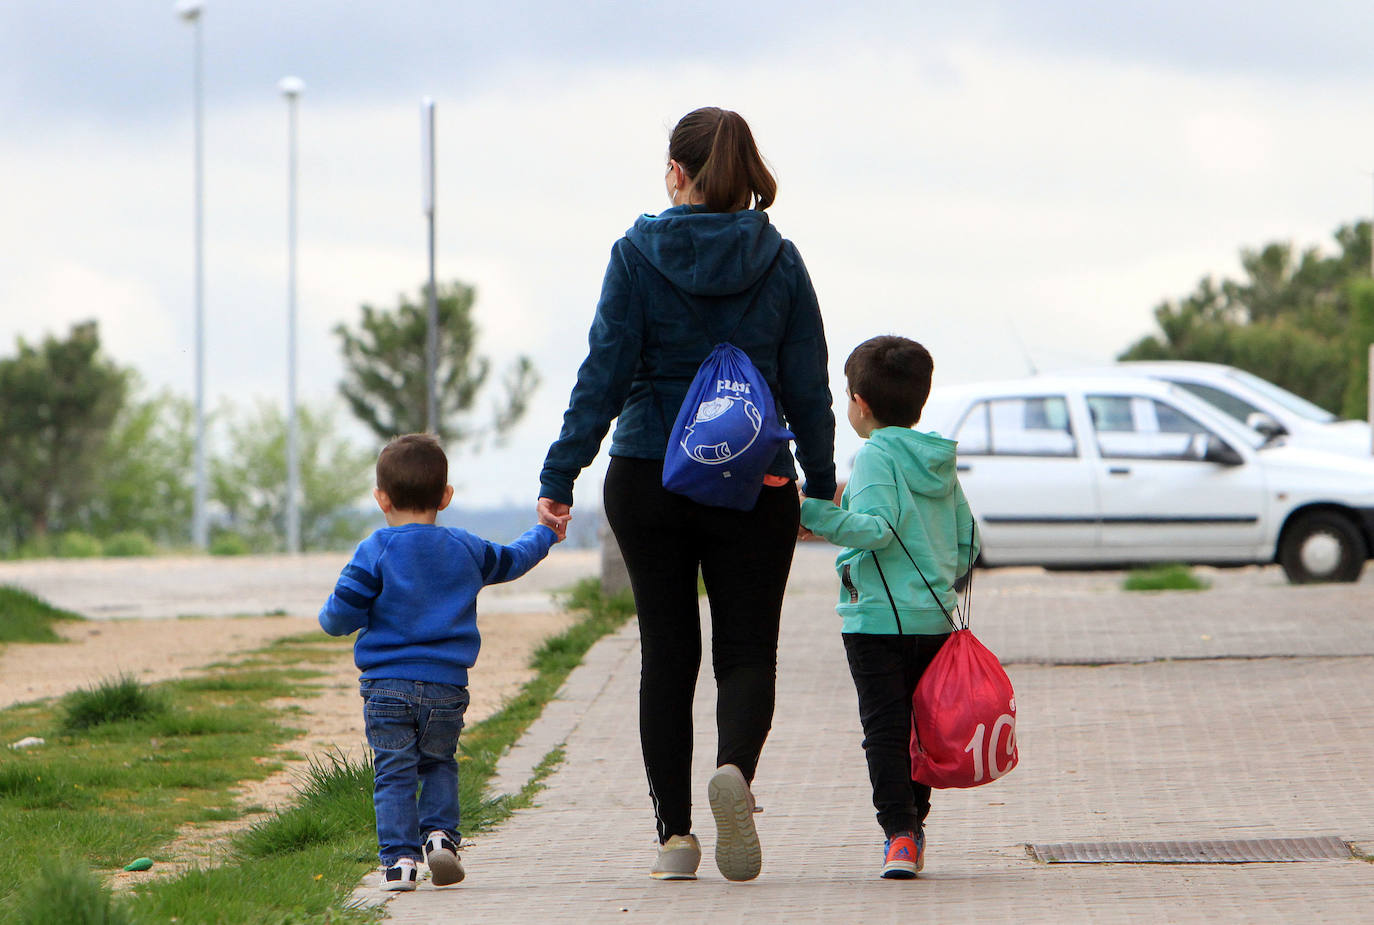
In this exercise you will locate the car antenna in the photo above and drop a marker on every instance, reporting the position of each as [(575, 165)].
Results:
[(1021, 345)]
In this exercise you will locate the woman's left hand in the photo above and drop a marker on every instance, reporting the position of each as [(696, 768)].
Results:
[(554, 515)]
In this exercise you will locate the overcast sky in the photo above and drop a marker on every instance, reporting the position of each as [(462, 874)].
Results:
[(1009, 183)]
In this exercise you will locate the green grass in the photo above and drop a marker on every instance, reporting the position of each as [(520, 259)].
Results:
[(121, 788), (110, 701), (1164, 578), (118, 783), (67, 892), (24, 617)]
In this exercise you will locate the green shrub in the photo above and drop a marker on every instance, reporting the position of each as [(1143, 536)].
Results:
[(69, 894), (77, 545), (334, 798), (1173, 577), (130, 543), (110, 701), (228, 544)]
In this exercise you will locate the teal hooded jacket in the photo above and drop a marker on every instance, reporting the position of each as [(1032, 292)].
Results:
[(677, 284), (905, 480)]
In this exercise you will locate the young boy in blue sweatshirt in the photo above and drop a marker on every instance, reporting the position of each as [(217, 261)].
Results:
[(410, 592), (902, 481)]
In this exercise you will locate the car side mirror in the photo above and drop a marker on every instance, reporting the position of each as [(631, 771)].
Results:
[(1265, 424), (1217, 450)]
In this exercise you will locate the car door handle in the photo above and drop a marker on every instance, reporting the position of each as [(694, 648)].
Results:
[(963, 467), (1118, 470)]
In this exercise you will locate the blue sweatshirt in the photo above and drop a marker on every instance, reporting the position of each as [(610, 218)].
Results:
[(645, 344), (411, 593)]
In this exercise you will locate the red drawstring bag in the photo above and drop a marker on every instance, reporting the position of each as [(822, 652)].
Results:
[(963, 730), (964, 712)]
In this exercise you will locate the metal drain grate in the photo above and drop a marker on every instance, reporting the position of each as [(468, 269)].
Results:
[(1249, 851)]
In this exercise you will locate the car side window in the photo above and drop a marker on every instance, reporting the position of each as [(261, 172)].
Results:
[(1234, 405), (1037, 426), (1135, 427)]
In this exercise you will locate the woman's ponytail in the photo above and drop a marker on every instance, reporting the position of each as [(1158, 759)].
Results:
[(717, 150)]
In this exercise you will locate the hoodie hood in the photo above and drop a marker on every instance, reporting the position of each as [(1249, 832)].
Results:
[(926, 461), (707, 253)]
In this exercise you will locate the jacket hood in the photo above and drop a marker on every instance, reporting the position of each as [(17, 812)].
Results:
[(926, 461), (707, 253)]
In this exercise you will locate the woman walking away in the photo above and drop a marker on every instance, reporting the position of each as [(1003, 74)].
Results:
[(711, 267)]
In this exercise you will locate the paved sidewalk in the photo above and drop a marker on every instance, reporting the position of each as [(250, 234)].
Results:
[(1239, 713)]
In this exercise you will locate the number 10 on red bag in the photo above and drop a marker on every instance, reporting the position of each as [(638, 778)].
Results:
[(964, 717)]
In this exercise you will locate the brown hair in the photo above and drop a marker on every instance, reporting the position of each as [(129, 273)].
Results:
[(893, 375), (413, 471), (717, 150)]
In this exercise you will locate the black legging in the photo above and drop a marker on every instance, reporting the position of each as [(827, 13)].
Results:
[(744, 558)]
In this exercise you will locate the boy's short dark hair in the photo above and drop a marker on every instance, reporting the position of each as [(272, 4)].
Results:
[(413, 471), (893, 375)]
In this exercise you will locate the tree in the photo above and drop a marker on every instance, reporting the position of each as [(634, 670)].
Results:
[(249, 478), (145, 468), (1290, 321), (57, 403), (385, 382)]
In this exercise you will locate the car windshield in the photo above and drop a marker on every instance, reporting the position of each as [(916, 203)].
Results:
[(1296, 404)]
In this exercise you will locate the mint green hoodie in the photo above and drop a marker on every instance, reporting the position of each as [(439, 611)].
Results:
[(905, 479)]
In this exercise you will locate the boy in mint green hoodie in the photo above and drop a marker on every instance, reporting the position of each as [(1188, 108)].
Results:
[(893, 626)]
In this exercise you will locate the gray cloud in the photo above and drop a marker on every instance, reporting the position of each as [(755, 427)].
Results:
[(111, 60)]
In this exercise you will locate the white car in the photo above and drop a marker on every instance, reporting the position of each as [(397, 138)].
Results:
[(1255, 402), (1116, 470)]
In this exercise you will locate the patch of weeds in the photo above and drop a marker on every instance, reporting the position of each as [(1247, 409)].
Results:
[(263, 683), (334, 799), (25, 617), (33, 785), (68, 893), (306, 887), (1172, 577), (110, 701)]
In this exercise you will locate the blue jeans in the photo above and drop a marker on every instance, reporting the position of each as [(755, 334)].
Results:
[(412, 728)]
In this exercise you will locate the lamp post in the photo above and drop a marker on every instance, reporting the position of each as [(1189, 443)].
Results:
[(189, 11), (291, 88), (432, 331)]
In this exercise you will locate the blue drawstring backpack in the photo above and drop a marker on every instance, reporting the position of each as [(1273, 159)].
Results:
[(727, 431)]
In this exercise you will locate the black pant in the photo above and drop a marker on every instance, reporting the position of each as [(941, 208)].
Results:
[(886, 670), (744, 558)]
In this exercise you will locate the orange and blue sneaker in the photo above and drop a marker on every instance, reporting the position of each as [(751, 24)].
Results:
[(904, 854)]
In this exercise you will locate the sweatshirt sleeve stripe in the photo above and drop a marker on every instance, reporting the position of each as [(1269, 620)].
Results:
[(506, 563), (363, 577), (353, 598)]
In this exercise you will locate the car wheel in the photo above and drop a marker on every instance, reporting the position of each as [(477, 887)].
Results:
[(1322, 546)]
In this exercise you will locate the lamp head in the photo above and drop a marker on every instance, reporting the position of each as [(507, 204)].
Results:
[(291, 87), (189, 10)]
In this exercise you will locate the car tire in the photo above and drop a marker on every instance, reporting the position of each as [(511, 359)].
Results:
[(1322, 546)]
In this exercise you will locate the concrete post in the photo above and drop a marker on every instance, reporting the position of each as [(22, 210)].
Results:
[(614, 576)]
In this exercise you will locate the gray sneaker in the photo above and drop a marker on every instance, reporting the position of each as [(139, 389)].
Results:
[(677, 859), (738, 854)]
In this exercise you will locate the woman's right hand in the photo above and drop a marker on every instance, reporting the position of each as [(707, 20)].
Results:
[(554, 515)]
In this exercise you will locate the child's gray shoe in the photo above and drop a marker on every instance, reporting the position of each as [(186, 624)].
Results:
[(441, 854), (401, 875)]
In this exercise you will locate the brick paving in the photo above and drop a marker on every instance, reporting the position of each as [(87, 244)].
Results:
[(1242, 712)]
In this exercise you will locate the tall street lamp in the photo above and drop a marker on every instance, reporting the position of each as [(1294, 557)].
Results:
[(432, 326), (291, 88), (189, 11)]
